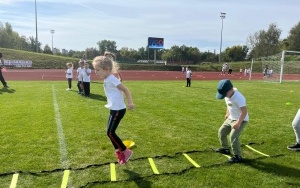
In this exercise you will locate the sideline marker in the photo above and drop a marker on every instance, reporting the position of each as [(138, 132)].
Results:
[(65, 179), (14, 181), (191, 160), (153, 166), (228, 156), (113, 175), (257, 151)]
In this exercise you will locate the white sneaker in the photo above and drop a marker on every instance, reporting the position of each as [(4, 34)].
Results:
[(68, 89)]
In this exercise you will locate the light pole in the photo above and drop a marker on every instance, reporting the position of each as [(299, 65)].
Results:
[(36, 33), (222, 17), (52, 31)]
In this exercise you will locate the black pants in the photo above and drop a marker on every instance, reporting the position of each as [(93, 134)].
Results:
[(113, 122), (2, 78), (86, 88), (188, 82), (70, 83), (79, 87)]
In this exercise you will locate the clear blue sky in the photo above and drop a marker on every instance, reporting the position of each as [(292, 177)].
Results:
[(80, 24)]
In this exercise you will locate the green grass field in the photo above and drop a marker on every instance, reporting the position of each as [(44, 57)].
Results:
[(46, 130)]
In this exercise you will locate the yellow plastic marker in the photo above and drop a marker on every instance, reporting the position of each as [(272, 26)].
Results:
[(128, 143), (113, 175), (191, 160), (228, 156), (64, 182), (153, 166), (257, 151), (14, 181)]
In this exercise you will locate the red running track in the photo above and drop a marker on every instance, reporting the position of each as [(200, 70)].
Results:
[(59, 74)]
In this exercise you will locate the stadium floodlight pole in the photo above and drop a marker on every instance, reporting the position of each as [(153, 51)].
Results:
[(36, 32), (222, 17), (52, 31)]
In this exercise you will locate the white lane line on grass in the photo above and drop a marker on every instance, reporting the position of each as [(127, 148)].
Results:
[(61, 138), (14, 181)]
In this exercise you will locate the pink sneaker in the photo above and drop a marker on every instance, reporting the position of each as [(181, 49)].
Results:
[(120, 156), (127, 153)]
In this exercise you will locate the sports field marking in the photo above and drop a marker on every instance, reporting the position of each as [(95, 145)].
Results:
[(153, 166), (64, 182), (191, 160), (257, 151), (14, 181), (61, 138), (228, 156), (113, 174)]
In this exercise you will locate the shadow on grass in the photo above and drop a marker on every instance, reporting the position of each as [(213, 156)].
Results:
[(94, 96), (138, 180), (273, 168), (97, 97), (7, 90)]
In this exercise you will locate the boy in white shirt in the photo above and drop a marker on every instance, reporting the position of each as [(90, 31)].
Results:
[(236, 119), (69, 75), (188, 77), (86, 79), (79, 77)]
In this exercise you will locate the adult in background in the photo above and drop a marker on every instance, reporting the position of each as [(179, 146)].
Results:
[(1, 76)]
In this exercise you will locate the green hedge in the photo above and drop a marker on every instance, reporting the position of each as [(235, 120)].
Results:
[(46, 61)]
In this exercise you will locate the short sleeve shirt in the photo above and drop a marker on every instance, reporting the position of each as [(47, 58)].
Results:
[(86, 77), (234, 104), (115, 98), (79, 72), (69, 73)]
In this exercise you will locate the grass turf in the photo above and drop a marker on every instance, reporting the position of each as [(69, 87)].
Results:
[(169, 120)]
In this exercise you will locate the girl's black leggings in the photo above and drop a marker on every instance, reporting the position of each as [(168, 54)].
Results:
[(113, 122)]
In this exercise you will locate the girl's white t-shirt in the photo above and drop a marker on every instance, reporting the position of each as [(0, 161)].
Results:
[(86, 78), (234, 105), (115, 98), (79, 72), (68, 75)]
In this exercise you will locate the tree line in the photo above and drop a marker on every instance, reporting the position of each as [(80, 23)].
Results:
[(260, 44)]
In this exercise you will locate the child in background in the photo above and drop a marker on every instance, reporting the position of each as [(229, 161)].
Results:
[(105, 67), (236, 119), (79, 77), (188, 77), (86, 74), (2, 68), (296, 128), (69, 75)]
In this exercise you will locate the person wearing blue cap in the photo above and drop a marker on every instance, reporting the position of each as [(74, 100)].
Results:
[(236, 119)]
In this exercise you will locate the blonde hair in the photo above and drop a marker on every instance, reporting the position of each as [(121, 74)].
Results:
[(106, 62), (70, 64)]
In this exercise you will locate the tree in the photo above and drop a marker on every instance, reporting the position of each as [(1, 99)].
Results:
[(47, 49), (265, 43), (236, 53), (90, 53), (293, 39), (107, 45)]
